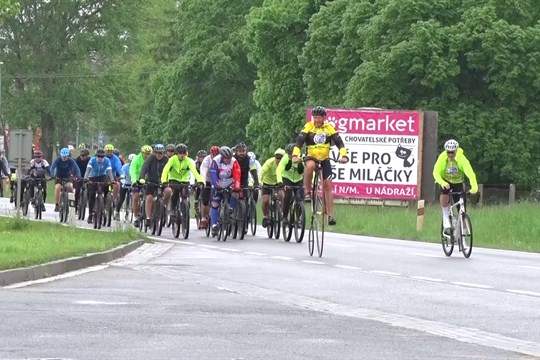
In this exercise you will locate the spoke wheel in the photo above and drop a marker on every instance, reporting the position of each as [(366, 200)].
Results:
[(98, 215), (82, 205), (299, 221), (466, 235), (39, 203), (241, 218), (26, 202), (447, 242), (184, 216), (321, 215), (253, 217)]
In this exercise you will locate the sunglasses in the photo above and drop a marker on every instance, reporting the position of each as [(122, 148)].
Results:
[(100, 156), (170, 151)]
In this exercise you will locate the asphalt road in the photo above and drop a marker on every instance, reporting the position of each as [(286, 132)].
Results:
[(367, 298)]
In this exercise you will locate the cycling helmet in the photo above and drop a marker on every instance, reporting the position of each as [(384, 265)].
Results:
[(131, 157), (100, 152), (289, 148), (159, 147), (241, 146), (171, 147), (64, 152), (279, 152), (202, 153), (109, 147), (146, 149), (252, 156), (85, 152), (225, 152), (181, 148), (38, 153), (214, 150), (451, 145), (318, 110)]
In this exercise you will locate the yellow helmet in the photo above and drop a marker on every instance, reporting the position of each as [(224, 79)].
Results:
[(146, 149), (109, 147)]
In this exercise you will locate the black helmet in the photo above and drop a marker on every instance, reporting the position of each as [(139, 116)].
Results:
[(225, 152), (100, 152), (318, 110), (202, 153), (171, 147), (241, 146), (181, 148), (116, 152), (289, 148), (85, 152)]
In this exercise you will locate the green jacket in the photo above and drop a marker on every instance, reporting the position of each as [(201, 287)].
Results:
[(453, 171), (268, 172), (178, 170), (289, 170), (135, 167)]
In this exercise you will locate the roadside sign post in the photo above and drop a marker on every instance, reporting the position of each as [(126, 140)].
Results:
[(20, 152)]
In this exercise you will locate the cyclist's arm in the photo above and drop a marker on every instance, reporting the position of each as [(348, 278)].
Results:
[(88, 169), (117, 165), (194, 171), (468, 170), (438, 169), (282, 167), (214, 174), (236, 174), (76, 167), (135, 168), (205, 166), (300, 167), (54, 166), (145, 167), (339, 143), (165, 172)]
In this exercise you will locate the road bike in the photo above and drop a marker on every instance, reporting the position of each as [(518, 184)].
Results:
[(64, 200), (297, 216), (461, 227)]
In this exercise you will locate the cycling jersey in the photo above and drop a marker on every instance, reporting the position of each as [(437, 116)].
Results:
[(116, 164), (96, 168), (180, 170), (136, 166), (64, 169), (454, 170), (82, 163), (268, 172), (125, 173), (153, 168), (43, 164), (205, 168), (224, 175), (289, 170), (319, 141)]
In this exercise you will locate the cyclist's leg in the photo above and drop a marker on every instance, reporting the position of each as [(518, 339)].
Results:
[(150, 191), (205, 210), (444, 199), (167, 193), (308, 177), (328, 194), (123, 193), (136, 190), (266, 193), (175, 196), (77, 194), (92, 189), (285, 204), (57, 190), (214, 212)]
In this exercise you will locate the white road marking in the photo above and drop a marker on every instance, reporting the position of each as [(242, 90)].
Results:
[(382, 272), (348, 267), (313, 262), (531, 267), (254, 253), (426, 278), (524, 292), (57, 277), (229, 249), (427, 255), (95, 302), (478, 286), (282, 258)]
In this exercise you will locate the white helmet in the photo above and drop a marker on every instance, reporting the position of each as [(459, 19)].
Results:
[(252, 156), (131, 157), (451, 145)]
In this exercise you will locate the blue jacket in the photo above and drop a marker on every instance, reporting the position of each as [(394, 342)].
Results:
[(65, 169), (97, 168), (116, 165)]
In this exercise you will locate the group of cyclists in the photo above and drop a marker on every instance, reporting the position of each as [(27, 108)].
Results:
[(222, 167)]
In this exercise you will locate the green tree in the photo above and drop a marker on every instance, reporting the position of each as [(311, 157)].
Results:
[(275, 35), (204, 96), (58, 57)]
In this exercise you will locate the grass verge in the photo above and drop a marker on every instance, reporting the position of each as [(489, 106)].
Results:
[(511, 227), (25, 243)]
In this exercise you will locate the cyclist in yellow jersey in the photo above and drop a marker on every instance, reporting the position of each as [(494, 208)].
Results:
[(449, 172), (318, 135), (268, 179)]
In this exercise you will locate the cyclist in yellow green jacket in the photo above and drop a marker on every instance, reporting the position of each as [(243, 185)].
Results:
[(177, 171), (289, 174), (449, 172), (269, 180)]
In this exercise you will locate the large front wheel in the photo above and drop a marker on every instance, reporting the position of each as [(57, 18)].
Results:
[(465, 235)]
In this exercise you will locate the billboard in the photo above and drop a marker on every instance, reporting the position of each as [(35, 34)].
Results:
[(384, 148)]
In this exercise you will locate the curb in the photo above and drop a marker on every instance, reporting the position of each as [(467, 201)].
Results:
[(53, 268)]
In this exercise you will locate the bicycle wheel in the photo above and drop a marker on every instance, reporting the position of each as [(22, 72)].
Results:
[(241, 219), (26, 202), (185, 218), (299, 221), (128, 215), (322, 219), (269, 221), (38, 200), (314, 228), (276, 222), (288, 230), (109, 209), (253, 216), (82, 204), (98, 213), (64, 207), (208, 227), (158, 216), (198, 213), (447, 242), (221, 222), (465, 235)]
